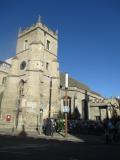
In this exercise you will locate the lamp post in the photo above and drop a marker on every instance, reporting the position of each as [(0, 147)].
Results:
[(50, 94), (66, 104), (49, 115)]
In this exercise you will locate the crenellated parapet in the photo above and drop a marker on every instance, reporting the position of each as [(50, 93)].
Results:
[(40, 25)]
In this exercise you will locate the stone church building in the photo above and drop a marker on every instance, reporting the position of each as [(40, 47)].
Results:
[(32, 86)]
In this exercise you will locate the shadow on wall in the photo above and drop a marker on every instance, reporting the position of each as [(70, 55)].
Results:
[(1, 96), (23, 133)]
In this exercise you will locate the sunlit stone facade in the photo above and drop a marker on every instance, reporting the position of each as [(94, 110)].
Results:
[(32, 86)]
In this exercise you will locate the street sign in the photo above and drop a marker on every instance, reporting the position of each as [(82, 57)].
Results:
[(66, 109)]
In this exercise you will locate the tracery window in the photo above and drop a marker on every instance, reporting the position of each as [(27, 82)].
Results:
[(26, 46), (21, 88), (48, 45)]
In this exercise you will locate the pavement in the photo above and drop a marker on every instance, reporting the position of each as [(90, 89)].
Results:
[(43, 147), (73, 147), (58, 136)]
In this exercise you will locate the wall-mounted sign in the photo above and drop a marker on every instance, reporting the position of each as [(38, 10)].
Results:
[(66, 109)]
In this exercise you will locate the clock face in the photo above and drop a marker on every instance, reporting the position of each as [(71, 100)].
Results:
[(23, 65), (39, 65)]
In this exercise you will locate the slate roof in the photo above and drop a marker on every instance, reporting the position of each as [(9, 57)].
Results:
[(74, 83)]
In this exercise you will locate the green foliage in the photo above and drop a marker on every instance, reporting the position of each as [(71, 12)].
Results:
[(60, 125), (60, 115), (60, 121)]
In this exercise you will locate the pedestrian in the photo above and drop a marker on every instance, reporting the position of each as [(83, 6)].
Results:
[(111, 129)]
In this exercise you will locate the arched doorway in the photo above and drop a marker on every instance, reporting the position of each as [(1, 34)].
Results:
[(21, 88)]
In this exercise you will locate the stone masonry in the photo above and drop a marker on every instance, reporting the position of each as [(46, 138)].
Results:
[(28, 82)]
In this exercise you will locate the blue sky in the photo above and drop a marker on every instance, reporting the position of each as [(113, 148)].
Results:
[(89, 36)]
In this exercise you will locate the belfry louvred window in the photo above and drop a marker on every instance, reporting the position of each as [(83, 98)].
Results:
[(26, 44), (48, 45)]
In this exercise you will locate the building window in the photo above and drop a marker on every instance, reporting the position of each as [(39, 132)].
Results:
[(61, 86), (23, 65), (48, 45), (4, 80), (21, 88), (47, 66), (26, 44), (68, 101)]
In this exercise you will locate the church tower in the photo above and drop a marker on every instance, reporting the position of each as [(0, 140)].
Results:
[(33, 80)]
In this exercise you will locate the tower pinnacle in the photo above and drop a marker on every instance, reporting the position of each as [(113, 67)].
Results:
[(39, 19), (56, 31), (19, 30)]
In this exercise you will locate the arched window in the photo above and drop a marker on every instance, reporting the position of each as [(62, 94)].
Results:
[(48, 45), (21, 88)]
